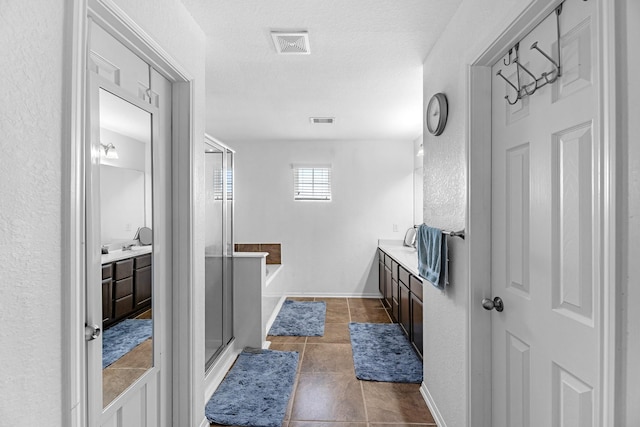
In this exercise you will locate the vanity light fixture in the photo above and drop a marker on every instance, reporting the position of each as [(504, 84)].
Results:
[(109, 151)]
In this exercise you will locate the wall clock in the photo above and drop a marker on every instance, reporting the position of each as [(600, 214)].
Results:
[(436, 115)]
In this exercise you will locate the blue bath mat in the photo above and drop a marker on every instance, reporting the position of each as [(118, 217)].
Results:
[(124, 337), (300, 319), (256, 390), (382, 352)]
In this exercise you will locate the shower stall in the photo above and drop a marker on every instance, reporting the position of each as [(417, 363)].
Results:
[(219, 194)]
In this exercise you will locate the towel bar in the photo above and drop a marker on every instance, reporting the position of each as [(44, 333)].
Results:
[(449, 232), (454, 233)]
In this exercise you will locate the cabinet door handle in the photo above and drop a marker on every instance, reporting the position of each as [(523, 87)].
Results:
[(91, 332)]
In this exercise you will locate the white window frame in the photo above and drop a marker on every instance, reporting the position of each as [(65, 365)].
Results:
[(317, 187)]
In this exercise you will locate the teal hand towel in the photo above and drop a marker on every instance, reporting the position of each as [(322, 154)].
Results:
[(432, 255)]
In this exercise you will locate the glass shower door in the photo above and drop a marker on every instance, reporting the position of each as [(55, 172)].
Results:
[(218, 249)]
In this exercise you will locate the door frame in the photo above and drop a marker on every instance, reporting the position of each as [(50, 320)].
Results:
[(181, 406), (478, 215)]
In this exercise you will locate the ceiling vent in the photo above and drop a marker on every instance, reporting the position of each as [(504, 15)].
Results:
[(292, 43), (322, 120)]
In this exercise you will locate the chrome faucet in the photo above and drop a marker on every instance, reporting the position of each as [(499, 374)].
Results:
[(127, 247)]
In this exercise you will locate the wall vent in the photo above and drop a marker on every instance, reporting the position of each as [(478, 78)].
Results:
[(291, 43), (322, 120)]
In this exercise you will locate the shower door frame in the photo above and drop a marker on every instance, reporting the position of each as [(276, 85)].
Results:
[(227, 245)]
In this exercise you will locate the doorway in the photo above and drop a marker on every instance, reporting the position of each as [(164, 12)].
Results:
[(553, 274), (128, 234), (165, 96)]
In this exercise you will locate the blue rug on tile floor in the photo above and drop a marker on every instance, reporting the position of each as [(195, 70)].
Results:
[(256, 391), (382, 352), (300, 319), (124, 337)]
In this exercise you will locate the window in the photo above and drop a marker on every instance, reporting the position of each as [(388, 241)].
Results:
[(217, 184), (312, 182)]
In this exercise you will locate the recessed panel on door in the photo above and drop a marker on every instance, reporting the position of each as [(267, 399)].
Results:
[(517, 215), (572, 251)]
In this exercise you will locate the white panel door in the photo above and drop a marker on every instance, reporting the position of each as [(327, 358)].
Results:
[(546, 238), (132, 102)]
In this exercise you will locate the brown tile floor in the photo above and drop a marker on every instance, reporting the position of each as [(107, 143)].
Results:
[(326, 392)]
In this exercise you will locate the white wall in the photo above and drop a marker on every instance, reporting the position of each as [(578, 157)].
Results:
[(328, 248), (31, 48), (474, 26), (418, 182), (629, 157), (31, 119)]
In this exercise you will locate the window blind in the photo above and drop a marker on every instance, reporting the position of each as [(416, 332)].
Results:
[(311, 182), (217, 184)]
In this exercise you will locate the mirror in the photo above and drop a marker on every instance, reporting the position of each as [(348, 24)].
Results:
[(126, 218)]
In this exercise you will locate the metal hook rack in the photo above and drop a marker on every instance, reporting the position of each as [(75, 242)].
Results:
[(545, 78)]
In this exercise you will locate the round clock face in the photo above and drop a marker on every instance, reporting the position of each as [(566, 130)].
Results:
[(436, 115)]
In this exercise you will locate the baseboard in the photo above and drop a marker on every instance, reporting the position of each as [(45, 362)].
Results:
[(330, 295), (273, 316), (431, 404), (216, 373)]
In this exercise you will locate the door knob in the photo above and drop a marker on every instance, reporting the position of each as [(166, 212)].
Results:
[(91, 332), (491, 304)]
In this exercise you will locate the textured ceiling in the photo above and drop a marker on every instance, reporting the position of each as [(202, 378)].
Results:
[(365, 67)]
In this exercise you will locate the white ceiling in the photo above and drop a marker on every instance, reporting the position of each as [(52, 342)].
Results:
[(365, 67)]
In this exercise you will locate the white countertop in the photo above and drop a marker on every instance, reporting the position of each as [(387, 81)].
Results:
[(404, 255), (120, 254)]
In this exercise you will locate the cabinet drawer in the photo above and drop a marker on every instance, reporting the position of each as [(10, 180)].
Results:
[(403, 275), (394, 270), (123, 287), (387, 261), (143, 261), (381, 255), (124, 269), (416, 286), (106, 271), (123, 306)]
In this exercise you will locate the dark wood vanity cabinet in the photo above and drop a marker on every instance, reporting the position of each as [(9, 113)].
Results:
[(142, 280), (128, 290), (405, 309), (416, 335), (107, 298), (416, 323), (388, 279), (402, 297), (395, 292), (381, 276)]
